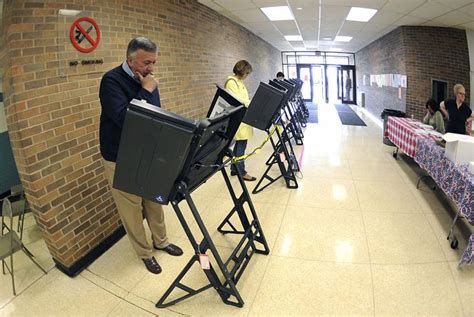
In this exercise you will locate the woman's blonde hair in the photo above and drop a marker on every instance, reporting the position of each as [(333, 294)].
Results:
[(242, 68)]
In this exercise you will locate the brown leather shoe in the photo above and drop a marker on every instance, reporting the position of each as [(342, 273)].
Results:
[(249, 178), (171, 249), (152, 265)]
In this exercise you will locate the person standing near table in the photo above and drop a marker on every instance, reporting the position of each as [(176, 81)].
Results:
[(235, 84), (458, 112), (133, 79), (433, 116)]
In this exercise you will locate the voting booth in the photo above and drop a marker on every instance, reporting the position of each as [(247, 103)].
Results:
[(164, 157)]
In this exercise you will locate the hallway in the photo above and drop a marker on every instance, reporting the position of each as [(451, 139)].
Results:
[(356, 238)]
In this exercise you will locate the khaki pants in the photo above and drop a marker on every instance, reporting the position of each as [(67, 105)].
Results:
[(132, 209)]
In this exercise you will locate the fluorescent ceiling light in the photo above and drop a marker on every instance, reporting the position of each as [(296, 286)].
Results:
[(327, 38), (343, 38), (293, 38), (70, 13), (360, 14), (278, 13)]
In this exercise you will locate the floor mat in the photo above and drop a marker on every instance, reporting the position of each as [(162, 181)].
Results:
[(348, 116), (313, 112)]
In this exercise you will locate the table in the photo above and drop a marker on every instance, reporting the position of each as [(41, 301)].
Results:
[(405, 132), (456, 182)]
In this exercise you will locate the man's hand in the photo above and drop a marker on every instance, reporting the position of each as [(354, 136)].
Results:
[(149, 82)]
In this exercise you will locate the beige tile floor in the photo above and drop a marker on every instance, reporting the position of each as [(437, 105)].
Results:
[(356, 238)]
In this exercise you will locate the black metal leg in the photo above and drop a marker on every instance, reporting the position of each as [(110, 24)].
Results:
[(232, 269), (286, 170)]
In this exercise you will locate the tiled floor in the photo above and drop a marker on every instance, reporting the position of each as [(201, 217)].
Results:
[(356, 238)]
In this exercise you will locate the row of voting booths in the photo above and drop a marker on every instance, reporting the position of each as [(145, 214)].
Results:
[(165, 157)]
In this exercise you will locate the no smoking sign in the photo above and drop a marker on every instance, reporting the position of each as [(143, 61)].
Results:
[(85, 34)]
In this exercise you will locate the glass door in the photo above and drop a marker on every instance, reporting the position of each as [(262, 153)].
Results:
[(304, 74), (319, 83), (346, 79)]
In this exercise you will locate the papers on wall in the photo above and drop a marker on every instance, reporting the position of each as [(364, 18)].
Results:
[(389, 80)]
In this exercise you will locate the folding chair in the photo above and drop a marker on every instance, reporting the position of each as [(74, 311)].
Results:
[(10, 243)]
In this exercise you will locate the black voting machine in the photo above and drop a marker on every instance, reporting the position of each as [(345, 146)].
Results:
[(165, 157), (285, 119)]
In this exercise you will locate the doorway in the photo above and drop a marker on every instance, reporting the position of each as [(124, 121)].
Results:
[(319, 83), (346, 83), (327, 83), (305, 74)]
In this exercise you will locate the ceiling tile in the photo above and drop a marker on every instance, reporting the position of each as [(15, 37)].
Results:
[(430, 10), (374, 4), (392, 13), (454, 4), (433, 23), (467, 26), (308, 25), (385, 17), (331, 13), (212, 5), (310, 36), (353, 26), (402, 6), (409, 20), (251, 15), (308, 13), (454, 18), (348, 32), (328, 33), (469, 10), (311, 43), (303, 3), (236, 5), (286, 27), (262, 26), (269, 3)]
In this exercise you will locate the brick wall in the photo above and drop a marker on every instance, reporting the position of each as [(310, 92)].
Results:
[(434, 53), (423, 54), (53, 108), (384, 56)]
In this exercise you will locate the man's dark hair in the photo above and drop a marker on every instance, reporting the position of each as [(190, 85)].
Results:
[(280, 74), (141, 43)]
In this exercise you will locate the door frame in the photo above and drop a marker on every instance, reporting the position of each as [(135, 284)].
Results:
[(298, 68), (341, 69)]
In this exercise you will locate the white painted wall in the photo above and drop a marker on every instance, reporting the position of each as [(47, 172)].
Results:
[(470, 45)]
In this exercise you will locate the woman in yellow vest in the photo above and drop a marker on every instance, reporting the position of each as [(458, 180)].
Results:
[(236, 85)]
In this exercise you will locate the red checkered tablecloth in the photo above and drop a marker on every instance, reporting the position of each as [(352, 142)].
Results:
[(404, 133)]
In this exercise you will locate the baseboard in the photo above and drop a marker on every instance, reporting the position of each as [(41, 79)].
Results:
[(94, 254)]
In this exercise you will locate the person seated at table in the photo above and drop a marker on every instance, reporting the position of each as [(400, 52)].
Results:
[(433, 116), (458, 112)]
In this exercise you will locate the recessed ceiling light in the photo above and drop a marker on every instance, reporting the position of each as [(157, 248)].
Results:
[(278, 13), (293, 38), (361, 14), (70, 13), (299, 8), (343, 38)]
